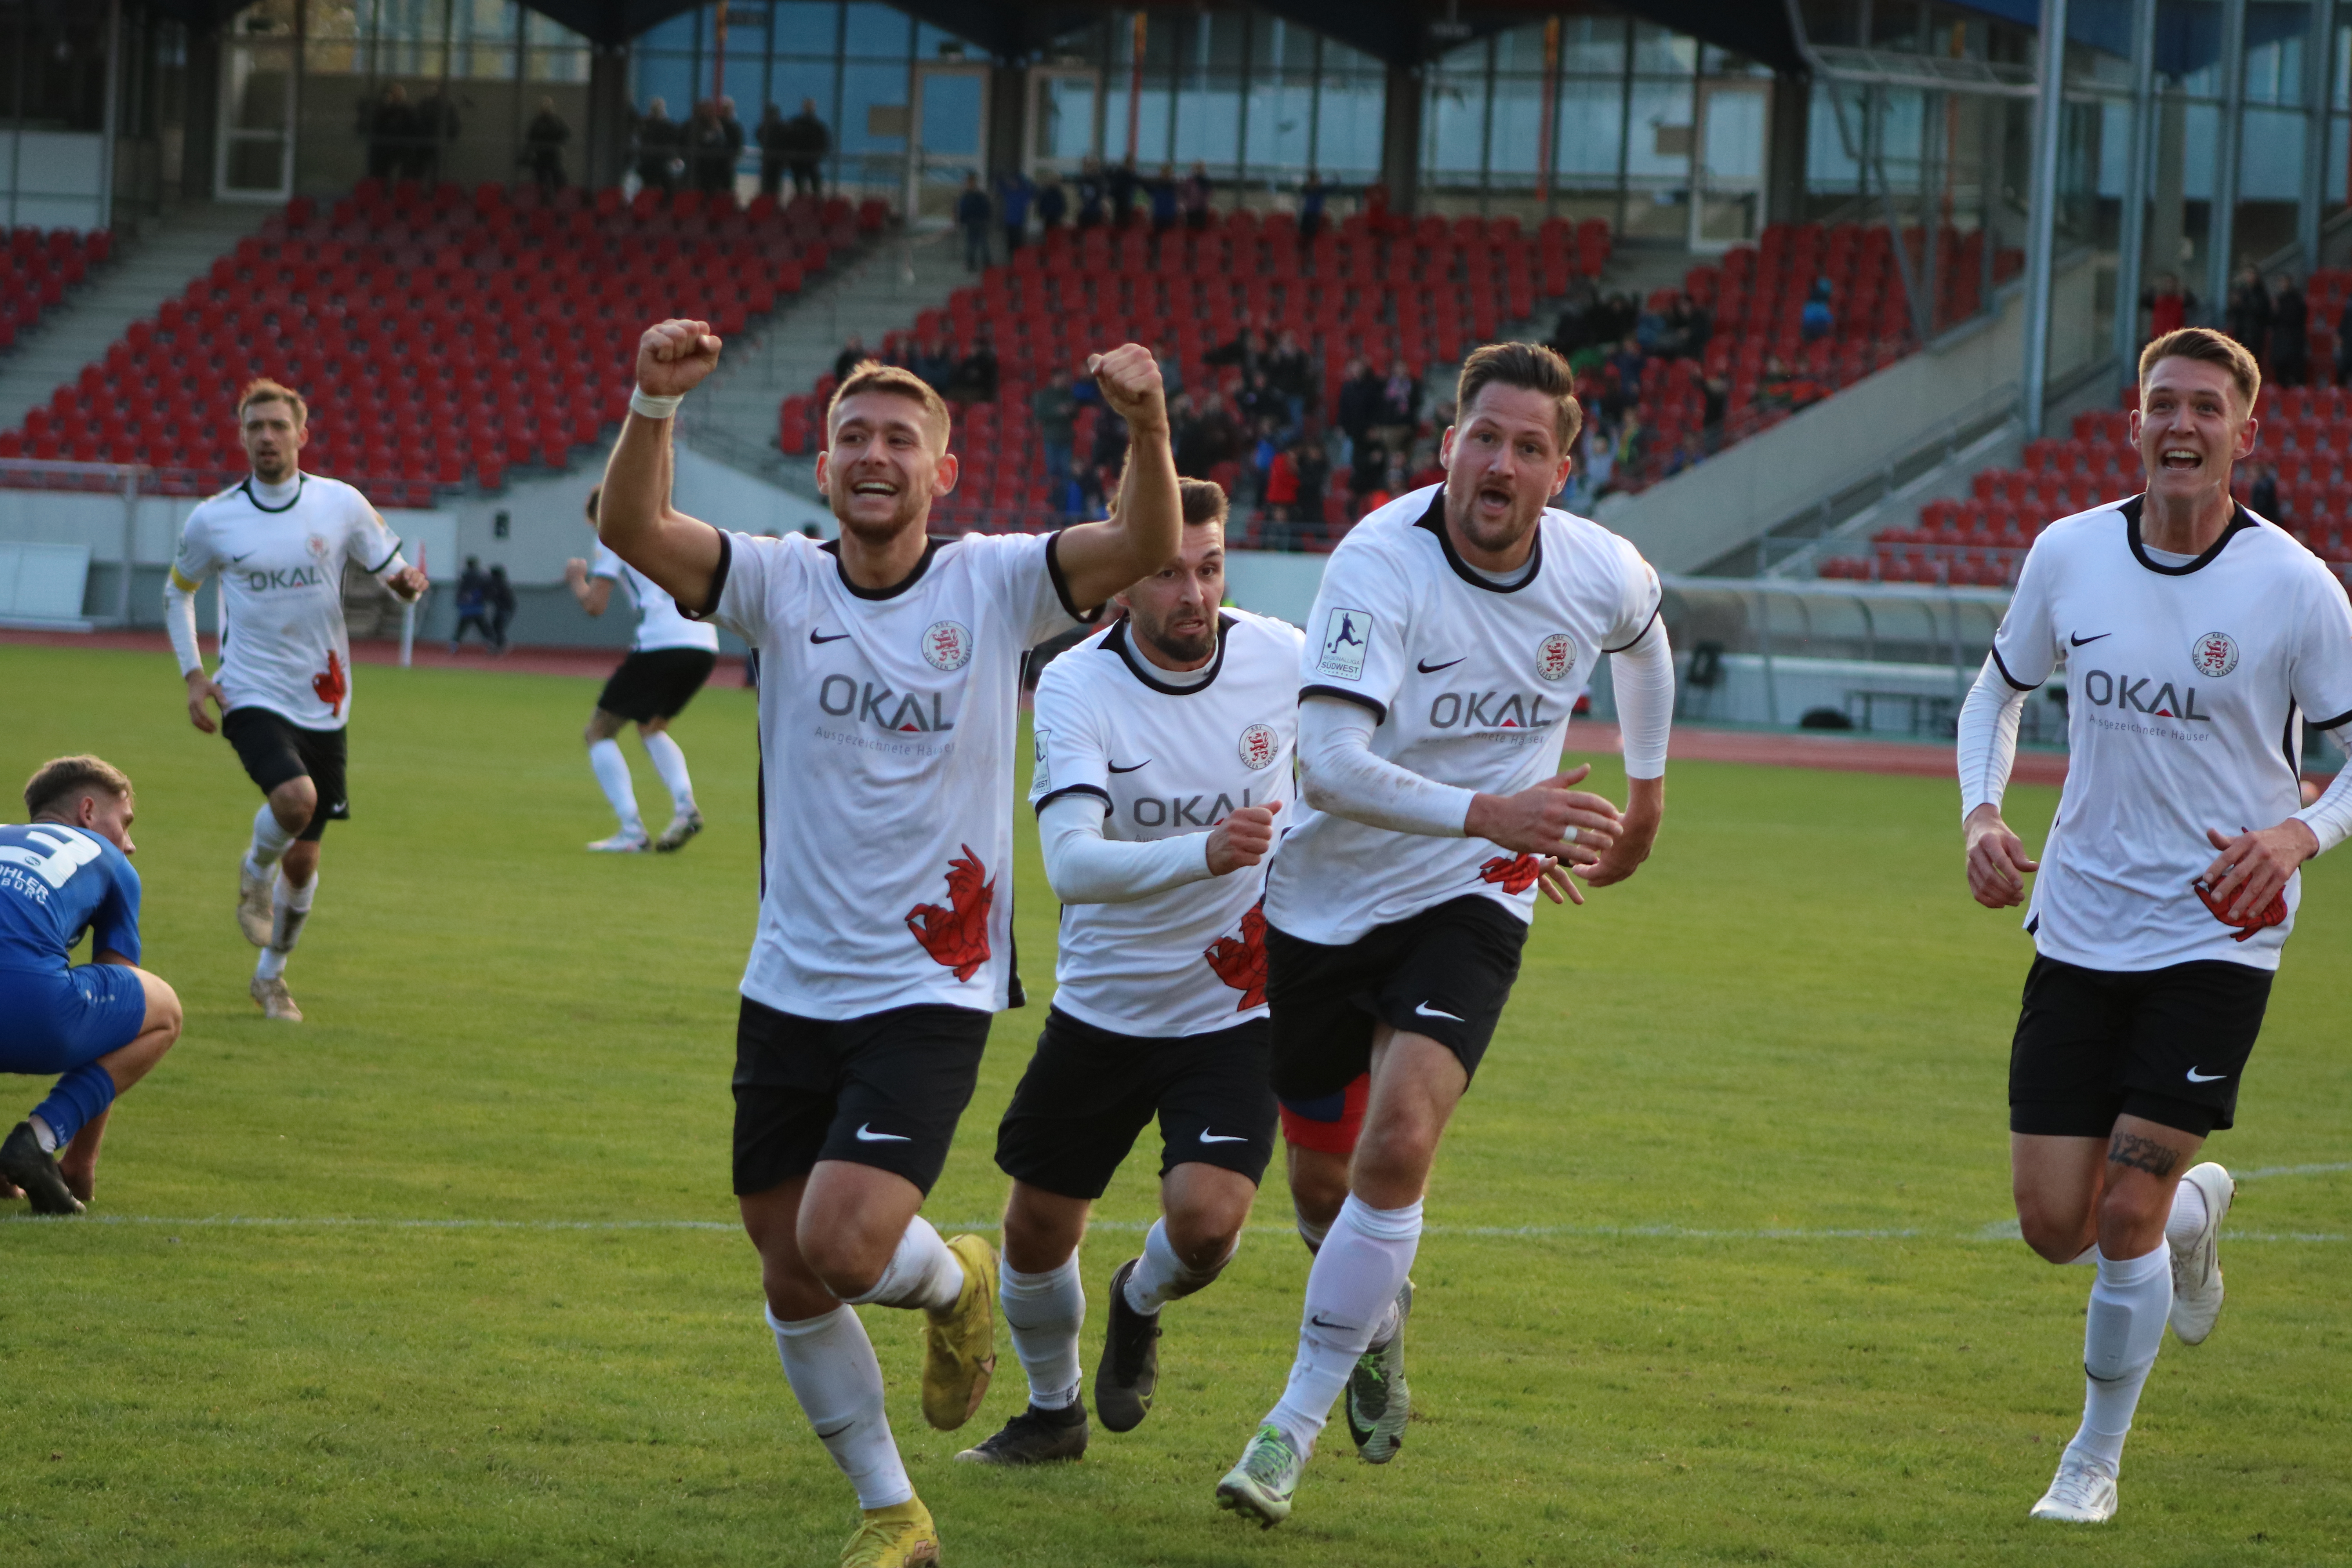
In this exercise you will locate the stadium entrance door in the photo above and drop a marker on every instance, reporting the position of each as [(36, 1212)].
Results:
[(1065, 120), (255, 149), (1728, 154), (951, 115)]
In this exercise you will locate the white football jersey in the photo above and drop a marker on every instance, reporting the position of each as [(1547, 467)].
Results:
[(888, 721), (1471, 683), (659, 623), (1169, 760), (284, 646), (2187, 686)]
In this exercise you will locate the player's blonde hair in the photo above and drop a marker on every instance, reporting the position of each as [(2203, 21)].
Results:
[(58, 781), (261, 389), (2211, 347), (873, 375)]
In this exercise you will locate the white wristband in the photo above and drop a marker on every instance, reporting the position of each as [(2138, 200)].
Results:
[(652, 407)]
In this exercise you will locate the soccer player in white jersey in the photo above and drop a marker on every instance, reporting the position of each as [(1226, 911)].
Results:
[(2198, 640), (1163, 747), (279, 540), (1453, 629), (669, 660), (889, 673)]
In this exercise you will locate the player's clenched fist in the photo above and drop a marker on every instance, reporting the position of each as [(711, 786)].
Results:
[(1130, 379), (1552, 818), (1997, 859), (1242, 839), (673, 356)]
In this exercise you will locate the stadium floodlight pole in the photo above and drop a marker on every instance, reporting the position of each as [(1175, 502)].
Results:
[(2042, 215), (2221, 228), (2132, 247)]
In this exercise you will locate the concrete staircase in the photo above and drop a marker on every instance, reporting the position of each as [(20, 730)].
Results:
[(732, 417), (143, 273)]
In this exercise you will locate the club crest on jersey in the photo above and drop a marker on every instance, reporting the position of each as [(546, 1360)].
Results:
[(946, 645), (1347, 635), (1556, 656), (1044, 774), (317, 544), (1257, 746), (2214, 653)]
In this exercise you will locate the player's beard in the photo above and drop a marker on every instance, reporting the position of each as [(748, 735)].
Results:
[(1496, 538), (914, 504), (273, 468), (1190, 647)]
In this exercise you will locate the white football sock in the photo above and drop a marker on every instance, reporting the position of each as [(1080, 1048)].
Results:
[(2121, 1336), (42, 1133), (830, 1363), (1308, 1231), (921, 1273), (1161, 1276), (1043, 1313), (670, 762), (612, 776), (290, 906), (1351, 1292), (270, 840), (2188, 1216)]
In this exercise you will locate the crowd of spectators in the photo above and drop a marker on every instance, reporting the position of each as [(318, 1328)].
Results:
[(403, 139), (702, 152), (999, 219)]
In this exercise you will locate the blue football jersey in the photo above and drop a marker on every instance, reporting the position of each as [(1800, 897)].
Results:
[(57, 882)]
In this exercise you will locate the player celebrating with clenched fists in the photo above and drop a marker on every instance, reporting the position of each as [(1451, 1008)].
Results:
[(889, 674)]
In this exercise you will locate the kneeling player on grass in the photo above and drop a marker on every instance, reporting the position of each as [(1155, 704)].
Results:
[(889, 673), (2198, 638), (1163, 757), (669, 660), (1451, 631), (102, 1024)]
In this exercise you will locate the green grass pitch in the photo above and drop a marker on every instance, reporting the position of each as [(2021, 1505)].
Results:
[(1709, 1277)]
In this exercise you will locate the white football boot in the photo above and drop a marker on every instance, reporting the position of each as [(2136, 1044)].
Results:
[(2197, 1264), (622, 844), (2083, 1491), (253, 902)]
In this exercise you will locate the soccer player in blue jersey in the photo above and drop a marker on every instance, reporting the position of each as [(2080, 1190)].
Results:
[(103, 1024)]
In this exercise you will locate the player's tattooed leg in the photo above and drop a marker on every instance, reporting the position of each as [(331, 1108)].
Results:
[(2138, 1153)]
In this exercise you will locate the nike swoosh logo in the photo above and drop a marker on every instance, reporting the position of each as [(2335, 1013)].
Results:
[(835, 638), (865, 1135), (829, 1436), (1317, 1320), (1223, 1138), (2078, 641), (236, 560), (1130, 767), (1428, 668), (1424, 1010), (2196, 1076)]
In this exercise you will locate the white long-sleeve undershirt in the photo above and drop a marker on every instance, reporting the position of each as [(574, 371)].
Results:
[(1642, 674), (1083, 866), (180, 623), (1988, 749)]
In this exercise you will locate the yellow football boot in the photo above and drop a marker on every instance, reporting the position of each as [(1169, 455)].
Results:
[(960, 1343), (899, 1536)]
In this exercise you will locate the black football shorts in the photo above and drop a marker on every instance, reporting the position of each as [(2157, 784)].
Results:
[(657, 683), (884, 1091), (2166, 1044), (1444, 972), (275, 749), (1089, 1092)]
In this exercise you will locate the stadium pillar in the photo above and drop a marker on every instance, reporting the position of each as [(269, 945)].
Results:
[(2221, 225), (1400, 137), (201, 121), (2318, 93), (2041, 212), (607, 137), (2132, 245), (1784, 169), (2168, 223), (1008, 109)]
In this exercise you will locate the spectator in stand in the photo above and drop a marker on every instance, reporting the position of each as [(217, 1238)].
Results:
[(1172, 371), (973, 214), (1360, 405), (1817, 320), (2168, 306), (391, 127), (1123, 185), (852, 354), (543, 147), (1053, 204), (1263, 445), (2250, 312), (1055, 411), (1366, 473), (1573, 331), (436, 126), (1281, 486), (734, 131), (1242, 353), (806, 148), (1314, 471), (1163, 200), (500, 595), (1310, 208), (473, 603), (1400, 409), (2263, 498), (2343, 344), (1292, 375), (659, 139), (1194, 199), (706, 139), (939, 364), (1092, 190), (974, 380), (2290, 329), (1626, 366), (1258, 401), (1014, 194), (773, 137), (1109, 454)]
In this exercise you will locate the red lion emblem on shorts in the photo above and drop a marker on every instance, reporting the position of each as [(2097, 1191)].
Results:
[(2270, 914), (1514, 876), (331, 685), (958, 936), (1240, 960)]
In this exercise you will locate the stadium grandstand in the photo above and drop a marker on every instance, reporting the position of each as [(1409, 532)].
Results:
[(1854, 308)]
